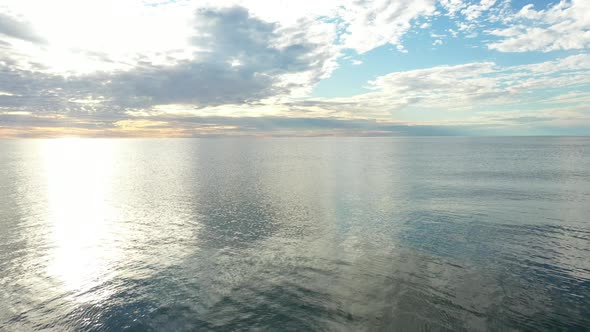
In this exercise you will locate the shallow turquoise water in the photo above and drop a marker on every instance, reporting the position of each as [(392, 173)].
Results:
[(295, 234)]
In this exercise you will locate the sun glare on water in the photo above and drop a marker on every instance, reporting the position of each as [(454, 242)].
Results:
[(79, 174)]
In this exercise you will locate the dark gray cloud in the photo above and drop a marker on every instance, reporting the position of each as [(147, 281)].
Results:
[(11, 27), (203, 84), (44, 94), (226, 35)]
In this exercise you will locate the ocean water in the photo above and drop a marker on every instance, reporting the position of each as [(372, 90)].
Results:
[(302, 234)]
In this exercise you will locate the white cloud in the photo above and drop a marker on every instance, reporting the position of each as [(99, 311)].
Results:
[(473, 87), (562, 26), (453, 6), (474, 11), (86, 36), (373, 23)]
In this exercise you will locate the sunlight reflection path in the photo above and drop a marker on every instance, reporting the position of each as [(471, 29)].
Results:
[(81, 218)]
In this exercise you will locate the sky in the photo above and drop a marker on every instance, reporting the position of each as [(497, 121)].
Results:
[(155, 68)]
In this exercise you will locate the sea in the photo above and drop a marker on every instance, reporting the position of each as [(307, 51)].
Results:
[(295, 234)]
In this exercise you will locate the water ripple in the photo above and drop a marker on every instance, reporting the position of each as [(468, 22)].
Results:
[(326, 234)]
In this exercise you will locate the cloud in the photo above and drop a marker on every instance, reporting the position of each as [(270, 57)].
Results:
[(197, 68), (14, 28), (444, 86), (470, 17), (273, 60), (474, 11), (371, 24), (182, 126), (497, 97), (225, 36), (460, 93), (452, 6), (563, 26)]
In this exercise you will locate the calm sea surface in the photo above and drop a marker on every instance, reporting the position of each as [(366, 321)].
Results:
[(295, 234)]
